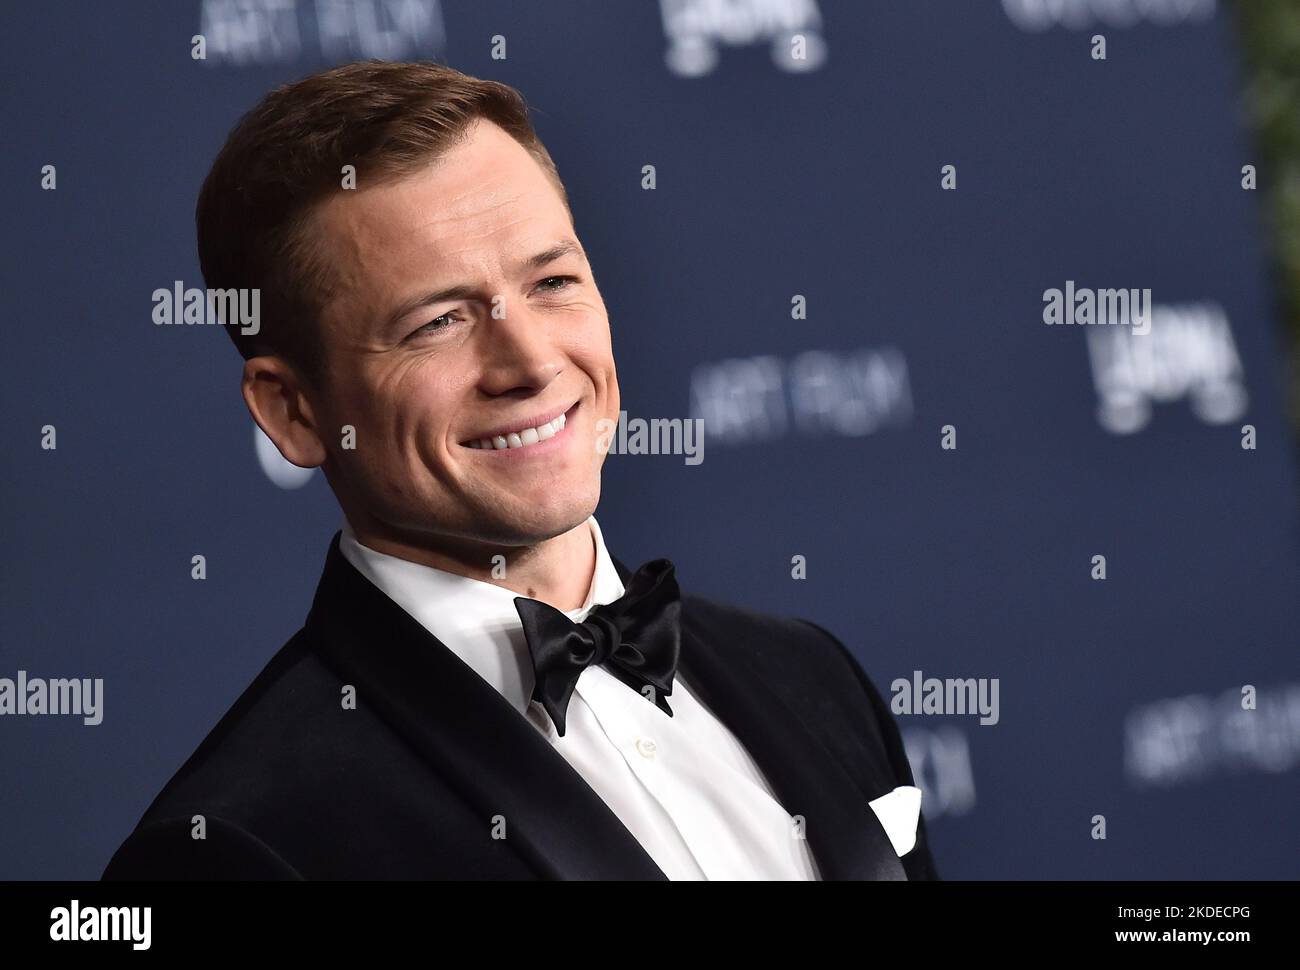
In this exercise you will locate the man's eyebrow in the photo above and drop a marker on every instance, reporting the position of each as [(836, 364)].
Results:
[(566, 247), (463, 291)]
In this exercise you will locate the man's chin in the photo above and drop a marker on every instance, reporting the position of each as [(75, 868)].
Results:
[(531, 526)]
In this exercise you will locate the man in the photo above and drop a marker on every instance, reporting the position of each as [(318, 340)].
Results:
[(481, 690)]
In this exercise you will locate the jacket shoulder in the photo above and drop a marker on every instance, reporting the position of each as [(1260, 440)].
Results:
[(826, 686), (240, 778), (796, 656), (172, 849), (807, 667)]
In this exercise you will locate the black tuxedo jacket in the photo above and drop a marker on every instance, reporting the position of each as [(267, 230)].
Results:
[(291, 785)]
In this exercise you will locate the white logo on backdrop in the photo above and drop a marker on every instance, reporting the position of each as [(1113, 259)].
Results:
[(695, 29), (850, 393), (1182, 739), (1189, 353), (941, 767), (1036, 15), (241, 32)]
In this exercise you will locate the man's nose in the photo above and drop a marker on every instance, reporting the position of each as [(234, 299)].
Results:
[(517, 351)]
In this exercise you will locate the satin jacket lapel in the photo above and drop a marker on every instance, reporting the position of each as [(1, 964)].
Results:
[(847, 839), (473, 737)]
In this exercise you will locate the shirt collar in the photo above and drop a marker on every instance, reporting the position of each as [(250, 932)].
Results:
[(475, 620)]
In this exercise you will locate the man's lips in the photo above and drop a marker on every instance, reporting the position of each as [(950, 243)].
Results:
[(521, 426)]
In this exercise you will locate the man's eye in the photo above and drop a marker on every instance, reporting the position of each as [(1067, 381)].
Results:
[(437, 323), (563, 282)]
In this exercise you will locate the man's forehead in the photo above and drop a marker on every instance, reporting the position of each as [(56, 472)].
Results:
[(411, 251), (485, 207), (447, 247), (431, 209)]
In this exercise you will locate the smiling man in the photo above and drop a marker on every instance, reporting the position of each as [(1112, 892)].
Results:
[(481, 690)]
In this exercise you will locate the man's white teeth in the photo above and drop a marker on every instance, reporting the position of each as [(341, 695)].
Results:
[(529, 436)]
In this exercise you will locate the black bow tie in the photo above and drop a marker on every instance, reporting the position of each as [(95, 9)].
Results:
[(637, 637)]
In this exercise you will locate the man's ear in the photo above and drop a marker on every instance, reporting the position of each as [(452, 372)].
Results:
[(276, 397)]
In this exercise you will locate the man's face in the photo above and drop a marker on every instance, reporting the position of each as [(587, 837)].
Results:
[(424, 374)]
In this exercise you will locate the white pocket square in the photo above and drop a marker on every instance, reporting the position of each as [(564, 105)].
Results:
[(898, 812)]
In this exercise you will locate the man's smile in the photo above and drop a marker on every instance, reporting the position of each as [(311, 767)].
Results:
[(535, 435)]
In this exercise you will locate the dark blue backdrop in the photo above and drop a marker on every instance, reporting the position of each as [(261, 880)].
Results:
[(776, 176)]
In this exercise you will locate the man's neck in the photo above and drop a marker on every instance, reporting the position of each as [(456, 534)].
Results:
[(556, 571)]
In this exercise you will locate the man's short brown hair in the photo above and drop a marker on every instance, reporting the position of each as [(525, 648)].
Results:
[(387, 119)]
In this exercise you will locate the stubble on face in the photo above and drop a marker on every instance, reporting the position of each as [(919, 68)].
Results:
[(416, 385)]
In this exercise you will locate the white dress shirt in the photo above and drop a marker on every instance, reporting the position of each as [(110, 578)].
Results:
[(684, 786)]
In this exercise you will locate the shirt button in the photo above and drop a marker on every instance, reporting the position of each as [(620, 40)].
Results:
[(646, 747)]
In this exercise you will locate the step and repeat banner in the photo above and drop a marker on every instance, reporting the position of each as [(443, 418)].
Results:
[(945, 324)]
